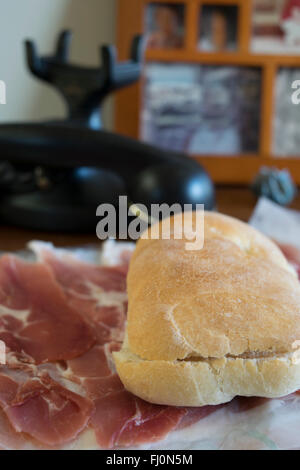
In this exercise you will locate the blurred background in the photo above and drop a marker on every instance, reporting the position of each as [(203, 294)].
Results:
[(93, 23), (199, 102)]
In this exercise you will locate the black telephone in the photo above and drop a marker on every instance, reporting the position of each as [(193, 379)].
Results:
[(54, 174)]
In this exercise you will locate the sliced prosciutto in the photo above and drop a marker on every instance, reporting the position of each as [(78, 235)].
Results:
[(97, 292), (120, 418), (35, 318), (39, 329), (292, 254), (9, 439), (61, 319), (44, 409)]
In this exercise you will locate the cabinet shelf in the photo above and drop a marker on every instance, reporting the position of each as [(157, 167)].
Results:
[(235, 169)]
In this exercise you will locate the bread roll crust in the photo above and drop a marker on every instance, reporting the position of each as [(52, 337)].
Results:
[(207, 382), (193, 314)]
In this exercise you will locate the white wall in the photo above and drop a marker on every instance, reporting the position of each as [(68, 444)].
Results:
[(93, 23)]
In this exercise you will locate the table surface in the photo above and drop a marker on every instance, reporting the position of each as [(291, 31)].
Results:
[(237, 202)]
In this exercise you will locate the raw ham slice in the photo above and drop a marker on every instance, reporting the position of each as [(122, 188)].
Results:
[(240, 404), (153, 422), (150, 424), (38, 326), (193, 415), (292, 254), (97, 292), (61, 319), (35, 318), (9, 439), (43, 408), (120, 418)]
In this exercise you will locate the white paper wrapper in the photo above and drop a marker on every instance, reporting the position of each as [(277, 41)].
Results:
[(272, 426), (277, 222)]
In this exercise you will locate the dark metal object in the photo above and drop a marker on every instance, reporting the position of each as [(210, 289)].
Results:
[(275, 184), (84, 89), (73, 172), (53, 175)]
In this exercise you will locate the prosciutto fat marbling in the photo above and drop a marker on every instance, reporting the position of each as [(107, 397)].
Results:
[(60, 319)]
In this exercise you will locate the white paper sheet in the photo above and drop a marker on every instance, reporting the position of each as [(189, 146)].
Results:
[(277, 222)]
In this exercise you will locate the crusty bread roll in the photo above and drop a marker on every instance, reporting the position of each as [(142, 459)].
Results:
[(205, 326)]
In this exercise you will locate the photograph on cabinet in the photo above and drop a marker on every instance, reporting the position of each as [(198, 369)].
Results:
[(218, 28), (164, 25), (202, 109), (286, 136), (276, 26)]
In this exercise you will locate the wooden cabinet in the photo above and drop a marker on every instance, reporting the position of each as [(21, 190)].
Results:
[(224, 51)]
